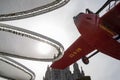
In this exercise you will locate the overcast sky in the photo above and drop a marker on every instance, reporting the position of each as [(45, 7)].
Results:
[(59, 25)]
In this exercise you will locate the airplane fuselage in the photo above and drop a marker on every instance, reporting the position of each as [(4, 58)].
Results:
[(98, 35)]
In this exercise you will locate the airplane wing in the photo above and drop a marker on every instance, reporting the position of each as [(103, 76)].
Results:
[(76, 51), (112, 19)]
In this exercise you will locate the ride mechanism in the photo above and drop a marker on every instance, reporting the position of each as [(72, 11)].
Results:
[(12, 39), (101, 34), (98, 33)]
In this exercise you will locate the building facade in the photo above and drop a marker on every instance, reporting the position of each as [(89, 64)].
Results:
[(66, 74)]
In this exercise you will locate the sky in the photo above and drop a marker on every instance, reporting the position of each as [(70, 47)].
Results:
[(59, 25)]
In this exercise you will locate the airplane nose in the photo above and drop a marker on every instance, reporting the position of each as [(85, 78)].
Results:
[(76, 17)]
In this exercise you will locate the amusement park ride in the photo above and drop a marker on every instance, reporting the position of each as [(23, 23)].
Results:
[(97, 33), (101, 34)]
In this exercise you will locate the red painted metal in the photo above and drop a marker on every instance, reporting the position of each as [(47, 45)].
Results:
[(76, 51), (112, 18), (95, 34)]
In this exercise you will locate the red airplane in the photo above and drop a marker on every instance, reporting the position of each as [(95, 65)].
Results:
[(101, 33)]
